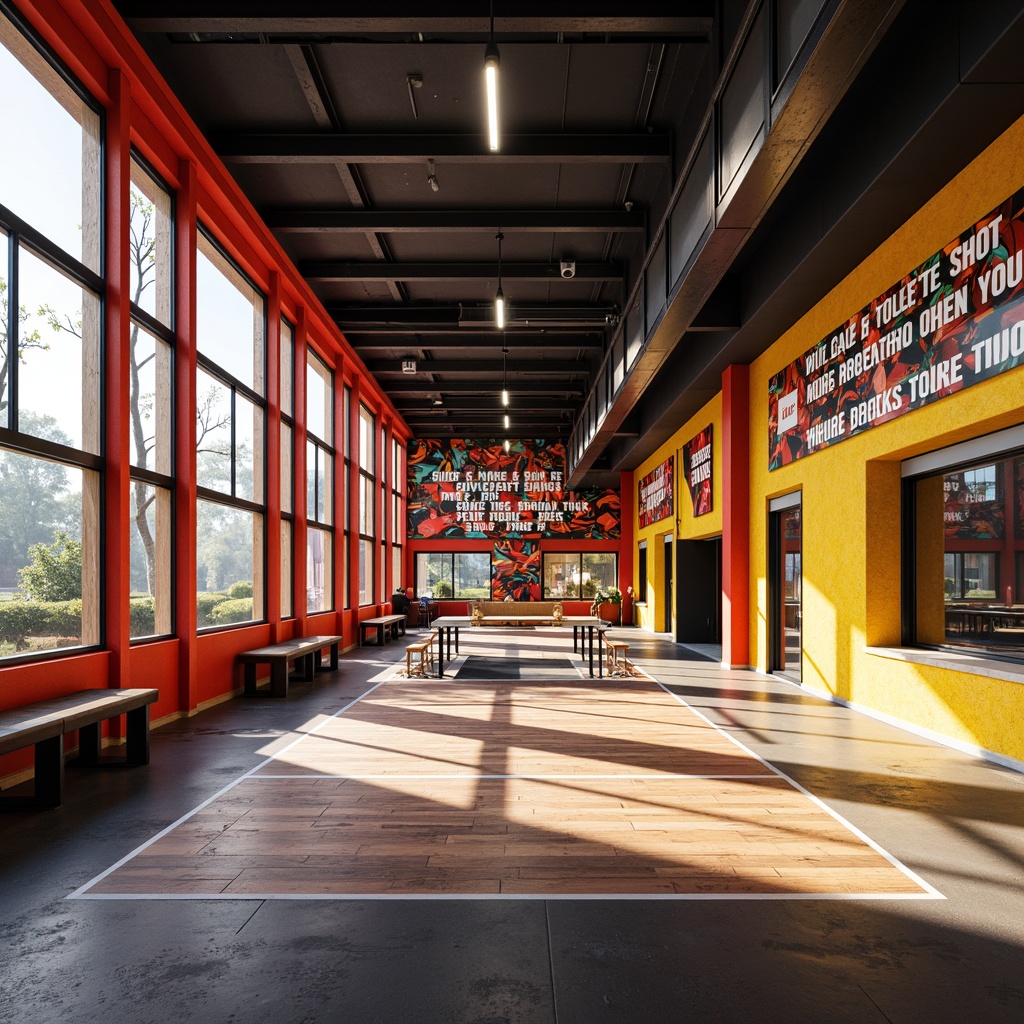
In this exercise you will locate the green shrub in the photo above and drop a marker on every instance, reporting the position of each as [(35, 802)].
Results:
[(442, 589), (232, 611), (21, 621), (142, 616), (240, 589), (205, 604)]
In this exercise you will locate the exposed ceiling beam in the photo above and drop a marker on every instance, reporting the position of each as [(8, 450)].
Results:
[(692, 18), (560, 148), (489, 404), (336, 270), (463, 387), (484, 367), (446, 319), (406, 342), (452, 221)]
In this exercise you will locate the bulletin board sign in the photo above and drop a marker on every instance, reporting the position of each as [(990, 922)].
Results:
[(656, 494), (952, 322), (697, 463)]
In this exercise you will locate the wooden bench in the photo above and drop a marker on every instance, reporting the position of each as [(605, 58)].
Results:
[(387, 627), (46, 722), (307, 650)]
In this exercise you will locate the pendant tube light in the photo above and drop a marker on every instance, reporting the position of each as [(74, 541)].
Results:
[(491, 64), (499, 298), (504, 378)]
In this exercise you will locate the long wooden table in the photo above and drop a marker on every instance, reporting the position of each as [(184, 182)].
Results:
[(586, 634)]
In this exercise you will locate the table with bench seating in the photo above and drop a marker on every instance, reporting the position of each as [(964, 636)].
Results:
[(306, 650), (46, 723)]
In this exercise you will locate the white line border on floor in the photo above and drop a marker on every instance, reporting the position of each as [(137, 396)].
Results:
[(928, 892)]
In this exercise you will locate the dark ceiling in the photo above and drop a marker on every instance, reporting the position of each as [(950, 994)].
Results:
[(333, 125)]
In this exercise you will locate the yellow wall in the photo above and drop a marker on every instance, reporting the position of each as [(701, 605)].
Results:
[(851, 494), (682, 523)]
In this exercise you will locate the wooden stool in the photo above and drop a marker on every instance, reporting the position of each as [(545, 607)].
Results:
[(617, 660), (425, 650)]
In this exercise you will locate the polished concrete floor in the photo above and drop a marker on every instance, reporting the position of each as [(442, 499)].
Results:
[(955, 821)]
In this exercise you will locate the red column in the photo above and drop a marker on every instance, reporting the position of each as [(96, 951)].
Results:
[(185, 435), (626, 544), (736, 517), (272, 570), (117, 506), (299, 461)]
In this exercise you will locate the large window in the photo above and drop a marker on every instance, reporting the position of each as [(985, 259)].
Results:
[(319, 485), (462, 575), (150, 405), (398, 514), (50, 355), (967, 535), (287, 397), (578, 576), (230, 443), (367, 516)]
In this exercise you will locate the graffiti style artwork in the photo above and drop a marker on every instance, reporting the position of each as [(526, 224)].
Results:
[(475, 489), (697, 469), (952, 322), (656, 493), (515, 570)]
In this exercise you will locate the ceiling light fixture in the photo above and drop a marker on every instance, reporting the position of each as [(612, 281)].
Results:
[(499, 298), (491, 62), (506, 421), (507, 445), (504, 376), (432, 177)]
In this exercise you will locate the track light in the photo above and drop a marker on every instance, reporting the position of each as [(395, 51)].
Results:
[(432, 177), (491, 62)]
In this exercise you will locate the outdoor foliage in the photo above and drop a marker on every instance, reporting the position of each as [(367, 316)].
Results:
[(54, 572)]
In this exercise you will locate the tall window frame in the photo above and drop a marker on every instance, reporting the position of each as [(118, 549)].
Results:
[(231, 418), (152, 341), (51, 395), (320, 470), (963, 547), (367, 505), (286, 398), (398, 514)]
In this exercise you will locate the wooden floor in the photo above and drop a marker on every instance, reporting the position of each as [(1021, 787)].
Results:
[(432, 787)]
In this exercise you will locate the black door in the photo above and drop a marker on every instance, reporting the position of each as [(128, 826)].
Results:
[(785, 591), (699, 591)]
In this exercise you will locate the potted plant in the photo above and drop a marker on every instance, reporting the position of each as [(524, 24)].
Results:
[(608, 604)]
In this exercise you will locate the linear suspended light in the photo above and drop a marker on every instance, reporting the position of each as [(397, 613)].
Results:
[(491, 62), (504, 377), (504, 396), (499, 298), (499, 309), (507, 445), (506, 421)]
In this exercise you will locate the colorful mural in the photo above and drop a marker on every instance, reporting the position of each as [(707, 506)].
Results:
[(476, 489), (515, 570)]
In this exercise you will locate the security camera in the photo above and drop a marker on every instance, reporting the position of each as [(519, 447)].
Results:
[(568, 268)]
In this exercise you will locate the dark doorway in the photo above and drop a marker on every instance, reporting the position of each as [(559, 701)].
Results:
[(785, 587), (699, 591)]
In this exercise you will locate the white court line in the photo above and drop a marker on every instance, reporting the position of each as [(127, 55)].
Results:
[(929, 891)]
